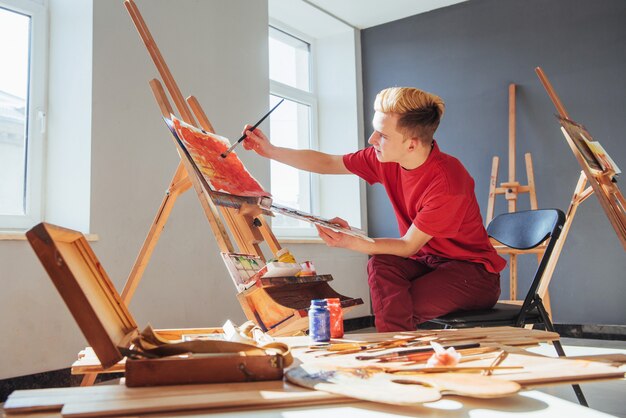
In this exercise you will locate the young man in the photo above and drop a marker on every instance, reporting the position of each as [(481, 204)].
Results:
[(443, 261)]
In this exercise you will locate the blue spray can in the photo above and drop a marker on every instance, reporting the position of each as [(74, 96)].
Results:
[(319, 321)]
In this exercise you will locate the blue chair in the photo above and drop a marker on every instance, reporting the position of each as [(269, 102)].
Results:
[(521, 230)]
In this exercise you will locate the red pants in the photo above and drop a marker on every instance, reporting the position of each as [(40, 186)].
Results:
[(407, 292)]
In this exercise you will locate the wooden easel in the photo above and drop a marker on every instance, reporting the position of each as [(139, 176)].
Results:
[(603, 184), (278, 307), (511, 189)]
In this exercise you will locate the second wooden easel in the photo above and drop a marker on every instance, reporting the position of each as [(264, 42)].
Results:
[(511, 189)]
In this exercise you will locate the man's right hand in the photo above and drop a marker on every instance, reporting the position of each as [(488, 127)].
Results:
[(302, 159), (257, 141)]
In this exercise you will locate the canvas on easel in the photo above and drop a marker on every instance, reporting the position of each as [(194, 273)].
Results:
[(602, 180)]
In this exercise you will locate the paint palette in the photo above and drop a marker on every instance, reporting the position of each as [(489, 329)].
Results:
[(242, 268)]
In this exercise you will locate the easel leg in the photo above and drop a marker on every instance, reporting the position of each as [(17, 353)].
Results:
[(89, 379), (179, 184), (493, 181), (513, 276)]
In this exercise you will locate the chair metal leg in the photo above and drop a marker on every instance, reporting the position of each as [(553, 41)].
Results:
[(559, 350)]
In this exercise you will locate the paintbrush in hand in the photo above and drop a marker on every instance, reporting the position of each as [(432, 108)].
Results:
[(232, 147)]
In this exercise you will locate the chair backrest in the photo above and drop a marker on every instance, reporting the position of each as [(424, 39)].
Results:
[(525, 230)]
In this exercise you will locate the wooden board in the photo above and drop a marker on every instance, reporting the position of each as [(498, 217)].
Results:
[(118, 400), (398, 389), (86, 289)]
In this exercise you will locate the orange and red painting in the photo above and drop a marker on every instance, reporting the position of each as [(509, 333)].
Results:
[(223, 174)]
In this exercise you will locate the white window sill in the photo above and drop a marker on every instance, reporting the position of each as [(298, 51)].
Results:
[(300, 240), (21, 236)]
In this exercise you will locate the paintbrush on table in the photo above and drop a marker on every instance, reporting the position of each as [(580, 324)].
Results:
[(232, 147), (404, 353)]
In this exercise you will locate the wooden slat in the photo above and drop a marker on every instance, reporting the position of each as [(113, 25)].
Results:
[(493, 181), (556, 252), (530, 175), (555, 99), (159, 62), (513, 272), (511, 132), (118, 399)]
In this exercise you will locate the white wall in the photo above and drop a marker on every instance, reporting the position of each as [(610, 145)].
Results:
[(67, 179), (222, 61), (38, 333)]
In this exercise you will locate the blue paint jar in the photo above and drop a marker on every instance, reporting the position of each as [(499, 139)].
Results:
[(319, 321)]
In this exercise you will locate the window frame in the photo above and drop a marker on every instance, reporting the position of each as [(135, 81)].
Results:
[(307, 98), (36, 115)]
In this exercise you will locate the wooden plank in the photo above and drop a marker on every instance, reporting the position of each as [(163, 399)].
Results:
[(222, 401), (511, 133), (90, 399), (493, 181), (569, 219), (85, 288), (513, 275), (159, 62), (530, 175)]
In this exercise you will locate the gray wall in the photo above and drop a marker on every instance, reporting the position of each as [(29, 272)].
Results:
[(468, 54)]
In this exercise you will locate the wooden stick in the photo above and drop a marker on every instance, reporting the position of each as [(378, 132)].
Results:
[(569, 219), (513, 274), (511, 133), (493, 181), (501, 357), (159, 62), (486, 370), (555, 99), (530, 175)]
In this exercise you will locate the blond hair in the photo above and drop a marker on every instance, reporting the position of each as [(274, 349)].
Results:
[(419, 111)]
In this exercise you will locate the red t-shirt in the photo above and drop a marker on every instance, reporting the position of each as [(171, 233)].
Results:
[(438, 198)]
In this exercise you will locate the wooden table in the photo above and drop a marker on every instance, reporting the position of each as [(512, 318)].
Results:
[(528, 404), (281, 399)]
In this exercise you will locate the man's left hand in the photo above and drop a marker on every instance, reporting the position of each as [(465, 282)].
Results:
[(333, 238)]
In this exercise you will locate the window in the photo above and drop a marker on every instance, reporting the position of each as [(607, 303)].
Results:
[(22, 48), (292, 125), (315, 62)]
